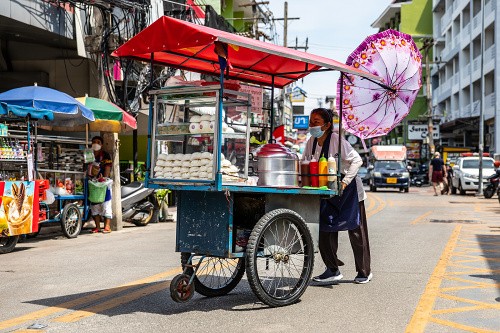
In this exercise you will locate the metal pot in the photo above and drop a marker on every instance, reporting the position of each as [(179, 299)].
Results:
[(277, 166)]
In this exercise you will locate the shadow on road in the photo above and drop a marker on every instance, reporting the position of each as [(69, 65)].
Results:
[(121, 300), (490, 245)]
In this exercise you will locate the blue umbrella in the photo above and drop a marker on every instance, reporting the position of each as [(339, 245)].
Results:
[(24, 111), (67, 111)]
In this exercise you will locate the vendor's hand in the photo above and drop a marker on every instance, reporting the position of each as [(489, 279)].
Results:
[(344, 185)]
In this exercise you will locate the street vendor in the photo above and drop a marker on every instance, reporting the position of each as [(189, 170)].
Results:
[(100, 170), (340, 213)]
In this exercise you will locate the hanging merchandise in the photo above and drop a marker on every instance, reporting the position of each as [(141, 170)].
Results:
[(88, 156)]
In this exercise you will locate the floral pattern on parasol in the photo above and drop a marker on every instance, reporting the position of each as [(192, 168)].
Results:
[(369, 109)]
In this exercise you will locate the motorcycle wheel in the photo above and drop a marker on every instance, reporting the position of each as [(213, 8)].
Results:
[(488, 192), (7, 244), (151, 216)]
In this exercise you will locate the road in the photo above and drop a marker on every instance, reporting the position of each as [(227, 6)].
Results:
[(435, 260)]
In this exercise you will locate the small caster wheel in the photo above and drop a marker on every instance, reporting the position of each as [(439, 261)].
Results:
[(180, 289)]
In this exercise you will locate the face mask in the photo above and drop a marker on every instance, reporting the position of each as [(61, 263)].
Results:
[(316, 131), (96, 147)]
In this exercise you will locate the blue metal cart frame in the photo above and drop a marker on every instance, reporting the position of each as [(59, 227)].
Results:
[(280, 245)]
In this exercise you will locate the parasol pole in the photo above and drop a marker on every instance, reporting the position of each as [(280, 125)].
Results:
[(272, 109), (339, 158)]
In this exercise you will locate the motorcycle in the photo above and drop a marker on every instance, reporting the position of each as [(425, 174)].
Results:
[(492, 187), (139, 204)]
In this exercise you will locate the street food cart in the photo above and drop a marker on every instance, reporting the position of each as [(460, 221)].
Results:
[(28, 164), (228, 222)]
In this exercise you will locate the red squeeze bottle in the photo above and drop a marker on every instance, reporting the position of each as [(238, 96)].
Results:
[(314, 169)]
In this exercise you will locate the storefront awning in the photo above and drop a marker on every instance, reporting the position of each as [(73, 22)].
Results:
[(180, 44), (459, 123)]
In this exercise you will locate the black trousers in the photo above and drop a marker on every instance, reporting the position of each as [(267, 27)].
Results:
[(329, 243)]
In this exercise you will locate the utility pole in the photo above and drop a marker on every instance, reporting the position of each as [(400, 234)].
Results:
[(255, 15), (430, 124), (285, 25), (481, 112)]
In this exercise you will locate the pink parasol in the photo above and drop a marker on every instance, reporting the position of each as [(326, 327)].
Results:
[(368, 108)]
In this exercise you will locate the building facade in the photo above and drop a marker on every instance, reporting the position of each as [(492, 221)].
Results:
[(461, 63)]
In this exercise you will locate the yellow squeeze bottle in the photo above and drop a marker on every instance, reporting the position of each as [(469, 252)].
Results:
[(323, 170)]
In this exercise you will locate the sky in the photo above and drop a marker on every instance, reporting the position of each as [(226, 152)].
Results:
[(334, 28)]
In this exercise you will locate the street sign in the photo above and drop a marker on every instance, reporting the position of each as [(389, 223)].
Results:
[(301, 122), (419, 132), (298, 95)]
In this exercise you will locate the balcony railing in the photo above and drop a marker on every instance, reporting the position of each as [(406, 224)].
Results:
[(489, 54), (446, 85), (456, 79), (466, 31), (477, 63), (446, 19), (465, 71), (489, 106), (476, 20), (476, 109), (490, 101), (489, 7)]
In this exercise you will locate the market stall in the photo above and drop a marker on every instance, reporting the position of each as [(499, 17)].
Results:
[(229, 221), (43, 172)]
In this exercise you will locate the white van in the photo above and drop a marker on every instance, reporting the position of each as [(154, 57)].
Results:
[(466, 173)]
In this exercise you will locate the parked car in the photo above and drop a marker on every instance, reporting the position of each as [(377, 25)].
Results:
[(364, 175), (466, 173)]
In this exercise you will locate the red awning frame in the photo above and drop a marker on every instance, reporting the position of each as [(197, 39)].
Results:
[(184, 45)]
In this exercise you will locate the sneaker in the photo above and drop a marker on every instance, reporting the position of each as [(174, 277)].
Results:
[(363, 279), (328, 276)]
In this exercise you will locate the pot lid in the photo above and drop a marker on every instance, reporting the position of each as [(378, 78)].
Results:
[(275, 150)]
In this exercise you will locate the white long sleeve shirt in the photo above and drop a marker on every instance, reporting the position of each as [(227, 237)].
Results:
[(350, 160)]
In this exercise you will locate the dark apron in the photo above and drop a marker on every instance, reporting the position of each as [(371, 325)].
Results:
[(339, 213)]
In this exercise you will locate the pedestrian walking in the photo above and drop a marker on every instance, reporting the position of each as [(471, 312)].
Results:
[(340, 213), (437, 172)]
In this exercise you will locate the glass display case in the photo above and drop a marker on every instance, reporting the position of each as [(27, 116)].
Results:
[(188, 131)]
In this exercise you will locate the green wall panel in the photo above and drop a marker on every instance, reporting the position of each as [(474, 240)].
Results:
[(126, 147)]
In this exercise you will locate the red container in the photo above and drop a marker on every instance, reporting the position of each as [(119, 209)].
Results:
[(314, 170), (304, 170)]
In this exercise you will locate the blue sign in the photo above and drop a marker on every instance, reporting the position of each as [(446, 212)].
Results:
[(301, 122)]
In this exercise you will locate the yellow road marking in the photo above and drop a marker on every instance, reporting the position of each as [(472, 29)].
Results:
[(421, 217), (460, 326), (477, 207), (477, 259), (378, 208), (470, 301), (478, 286), (83, 300), (422, 313), (371, 202), (462, 309), (99, 308)]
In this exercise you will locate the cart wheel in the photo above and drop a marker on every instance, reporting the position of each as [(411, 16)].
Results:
[(215, 276), (7, 244), (280, 257), (71, 221), (180, 289)]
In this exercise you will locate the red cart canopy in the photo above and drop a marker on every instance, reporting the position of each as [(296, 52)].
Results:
[(189, 46)]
